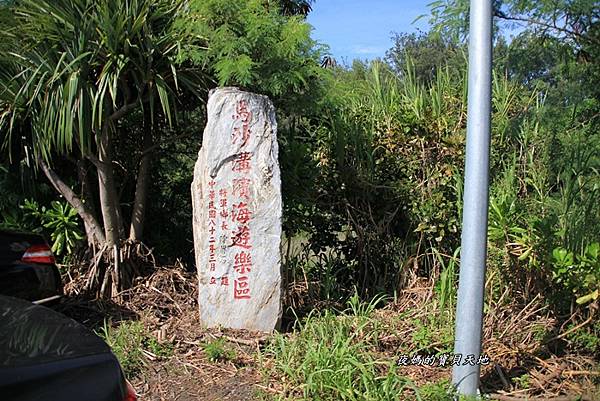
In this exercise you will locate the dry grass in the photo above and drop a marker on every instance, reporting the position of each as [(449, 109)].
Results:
[(518, 341)]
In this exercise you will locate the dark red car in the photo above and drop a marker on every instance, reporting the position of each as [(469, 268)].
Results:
[(27, 268)]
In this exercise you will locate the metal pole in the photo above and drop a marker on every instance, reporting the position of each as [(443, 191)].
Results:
[(469, 310)]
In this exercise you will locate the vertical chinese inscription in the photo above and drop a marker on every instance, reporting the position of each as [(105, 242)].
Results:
[(237, 213), (216, 223), (241, 235), (240, 232)]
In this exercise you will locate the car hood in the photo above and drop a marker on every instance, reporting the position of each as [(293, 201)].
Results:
[(32, 334)]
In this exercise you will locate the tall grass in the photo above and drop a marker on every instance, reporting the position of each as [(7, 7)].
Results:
[(448, 283), (330, 357), (391, 152)]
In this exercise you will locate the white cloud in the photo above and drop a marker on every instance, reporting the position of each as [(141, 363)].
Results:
[(368, 50)]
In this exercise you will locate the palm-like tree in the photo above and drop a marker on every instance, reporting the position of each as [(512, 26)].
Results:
[(74, 69), (296, 7)]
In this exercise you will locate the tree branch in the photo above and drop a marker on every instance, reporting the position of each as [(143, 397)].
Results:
[(544, 24), (82, 209), (95, 161), (122, 111)]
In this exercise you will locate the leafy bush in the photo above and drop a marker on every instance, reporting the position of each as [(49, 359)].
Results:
[(433, 334), (381, 155), (161, 350), (579, 273), (60, 220), (586, 338), (63, 222), (440, 391)]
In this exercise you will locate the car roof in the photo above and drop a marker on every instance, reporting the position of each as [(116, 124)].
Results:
[(32, 334)]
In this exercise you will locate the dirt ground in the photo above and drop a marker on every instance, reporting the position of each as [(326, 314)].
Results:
[(166, 304), (190, 375)]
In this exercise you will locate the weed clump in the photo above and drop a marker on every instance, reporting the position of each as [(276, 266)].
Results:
[(131, 343), (217, 351)]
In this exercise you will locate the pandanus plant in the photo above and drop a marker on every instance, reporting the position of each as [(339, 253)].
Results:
[(72, 69)]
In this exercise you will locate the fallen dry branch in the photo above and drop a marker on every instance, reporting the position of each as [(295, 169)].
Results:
[(242, 341)]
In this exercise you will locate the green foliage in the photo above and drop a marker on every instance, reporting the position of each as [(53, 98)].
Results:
[(434, 334), (62, 220), (77, 62), (19, 186), (336, 357), (250, 44), (217, 351), (440, 391), (327, 359), (507, 218), (579, 273), (522, 381), (126, 342), (19, 219), (384, 156), (161, 350), (424, 55), (447, 285), (363, 310), (296, 7), (586, 339), (59, 222), (170, 207), (381, 158)]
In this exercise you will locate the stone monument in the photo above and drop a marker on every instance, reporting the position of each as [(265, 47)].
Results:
[(236, 197)]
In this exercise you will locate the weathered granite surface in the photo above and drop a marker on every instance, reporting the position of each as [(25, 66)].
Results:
[(236, 196)]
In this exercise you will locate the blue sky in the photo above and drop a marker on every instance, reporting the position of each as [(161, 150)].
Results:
[(363, 28)]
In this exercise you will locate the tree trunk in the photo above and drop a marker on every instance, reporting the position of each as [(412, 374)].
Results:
[(138, 214), (92, 228), (88, 200), (108, 193), (141, 198)]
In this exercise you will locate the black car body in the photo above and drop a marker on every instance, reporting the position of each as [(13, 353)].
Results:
[(27, 268), (45, 356)]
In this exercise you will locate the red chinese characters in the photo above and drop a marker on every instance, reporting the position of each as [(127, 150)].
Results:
[(243, 262), (241, 288), (241, 237), (241, 187), (212, 216), (241, 133), (229, 213), (241, 163), (213, 228), (240, 214)]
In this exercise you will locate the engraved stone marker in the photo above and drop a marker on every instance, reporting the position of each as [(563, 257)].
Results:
[(236, 197)]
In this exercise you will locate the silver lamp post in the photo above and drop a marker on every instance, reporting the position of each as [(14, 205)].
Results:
[(469, 310)]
